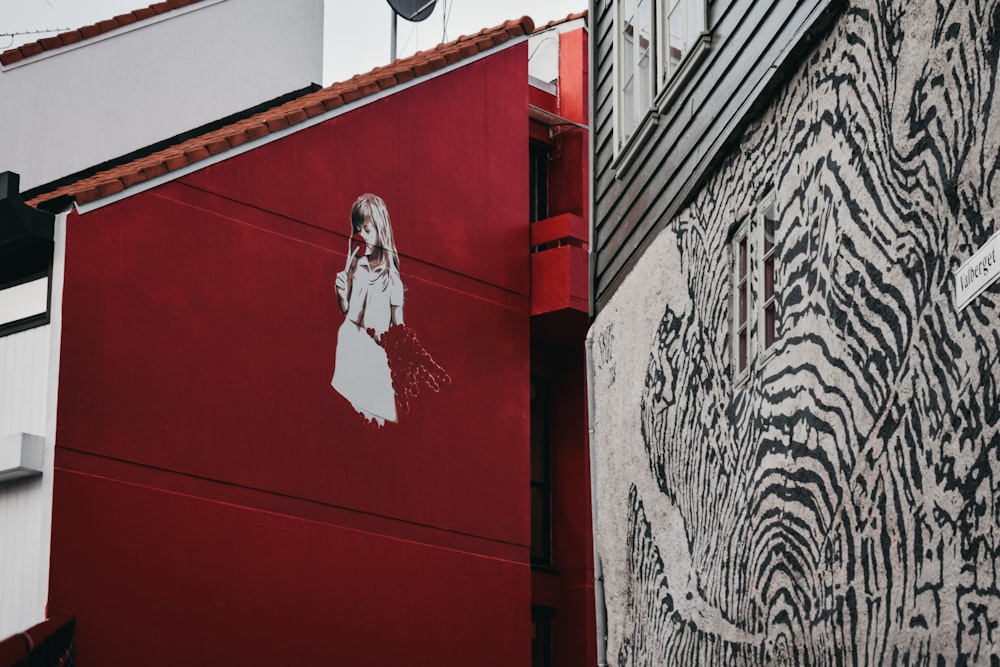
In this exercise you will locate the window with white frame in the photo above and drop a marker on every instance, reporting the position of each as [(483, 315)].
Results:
[(652, 40), (754, 303), (768, 313), (682, 23), (26, 249), (741, 299), (635, 59), (25, 278), (24, 304)]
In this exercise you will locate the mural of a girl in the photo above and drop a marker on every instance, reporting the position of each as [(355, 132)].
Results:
[(370, 295), (380, 364)]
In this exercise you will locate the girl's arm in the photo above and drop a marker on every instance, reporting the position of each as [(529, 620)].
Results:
[(396, 302), (343, 285), (344, 280)]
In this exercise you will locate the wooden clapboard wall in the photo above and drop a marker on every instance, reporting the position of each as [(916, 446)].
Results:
[(752, 46)]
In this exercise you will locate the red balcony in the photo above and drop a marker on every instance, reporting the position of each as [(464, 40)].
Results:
[(559, 267)]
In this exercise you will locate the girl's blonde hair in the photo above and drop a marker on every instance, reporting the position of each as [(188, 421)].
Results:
[(371, 207)]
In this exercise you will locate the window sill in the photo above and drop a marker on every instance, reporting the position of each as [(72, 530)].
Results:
[(741, 379), (628, 151), (21, 455), (691, 59), (18, 326)]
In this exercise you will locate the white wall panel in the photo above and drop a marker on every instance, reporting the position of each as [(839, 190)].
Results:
[(24, 364), (104, 97), (24, 372), (29, 369)]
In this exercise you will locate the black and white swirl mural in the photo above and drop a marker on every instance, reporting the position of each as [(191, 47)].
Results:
[(841, 506)]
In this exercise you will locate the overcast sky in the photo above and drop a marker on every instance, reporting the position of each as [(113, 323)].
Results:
[(357, 31)]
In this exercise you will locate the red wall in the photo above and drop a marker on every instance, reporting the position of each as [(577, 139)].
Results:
[(217, 501), (566, 588)]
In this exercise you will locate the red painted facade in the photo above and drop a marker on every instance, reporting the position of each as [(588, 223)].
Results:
[(559, 308), (218, 502)]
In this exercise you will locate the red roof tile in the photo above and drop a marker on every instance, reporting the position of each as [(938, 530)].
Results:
[(11, 56), (70, 38), (567, 19), (284, 115)]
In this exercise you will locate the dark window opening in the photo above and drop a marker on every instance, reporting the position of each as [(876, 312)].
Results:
[(541, 637), (538, 188), (541, 496)]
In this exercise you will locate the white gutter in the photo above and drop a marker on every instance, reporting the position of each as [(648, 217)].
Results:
[(280, 134), (600, 609)]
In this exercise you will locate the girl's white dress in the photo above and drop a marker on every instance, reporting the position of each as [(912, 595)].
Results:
[(361, 374)]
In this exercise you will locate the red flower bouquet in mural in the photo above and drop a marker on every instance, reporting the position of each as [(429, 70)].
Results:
[(410, 365), (380, 362)]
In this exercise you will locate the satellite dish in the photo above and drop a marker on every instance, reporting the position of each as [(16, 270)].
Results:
[(413, 10)]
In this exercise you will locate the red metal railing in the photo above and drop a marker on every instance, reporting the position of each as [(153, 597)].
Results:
[(559, 264), (51, 643)]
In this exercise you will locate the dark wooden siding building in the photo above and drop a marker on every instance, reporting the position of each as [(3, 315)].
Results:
[(750, 47)]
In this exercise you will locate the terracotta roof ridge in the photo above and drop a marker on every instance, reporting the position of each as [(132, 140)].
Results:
[(286, 114), (11, 56), (566, 19)]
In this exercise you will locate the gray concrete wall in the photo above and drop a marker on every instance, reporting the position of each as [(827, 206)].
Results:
[(840, 505)]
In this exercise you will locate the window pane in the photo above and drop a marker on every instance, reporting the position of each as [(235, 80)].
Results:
[(769, 325), (627, 79), (628, 110), (644, 23), (644, 100), (538, 463), (695, 20), (742, 308), (540, 471), (643, 20), (539, 430), (628, 10), (541, 637), (628, 55), (768, 278), (539, 524), (676, 24), (769, 223), (24, 300), (538, 182), (747, 297), (742, 363), (743, 256)]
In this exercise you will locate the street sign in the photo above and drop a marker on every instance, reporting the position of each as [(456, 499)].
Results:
[(977, 273)]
